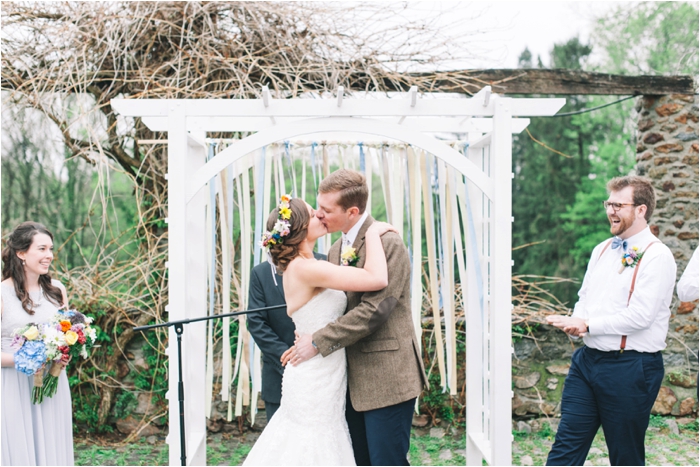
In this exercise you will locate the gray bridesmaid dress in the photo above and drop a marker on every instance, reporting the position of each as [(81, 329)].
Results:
[(39, 434)]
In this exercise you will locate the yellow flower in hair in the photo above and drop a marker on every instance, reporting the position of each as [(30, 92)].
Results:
[(285, 213)]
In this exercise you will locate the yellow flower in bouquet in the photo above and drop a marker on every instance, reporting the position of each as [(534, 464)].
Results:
[(31, 333), (71, 337)]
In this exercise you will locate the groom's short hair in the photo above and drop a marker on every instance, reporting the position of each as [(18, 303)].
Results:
[(352, 187)]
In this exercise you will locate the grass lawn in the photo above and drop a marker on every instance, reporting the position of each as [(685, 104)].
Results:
[(429, 446)]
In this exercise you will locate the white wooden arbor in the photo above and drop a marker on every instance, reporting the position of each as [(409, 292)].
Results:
[(487, 120)]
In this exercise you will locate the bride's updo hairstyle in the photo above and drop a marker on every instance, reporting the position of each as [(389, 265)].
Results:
[(285, 231)]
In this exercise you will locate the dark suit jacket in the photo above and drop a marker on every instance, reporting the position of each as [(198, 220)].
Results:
[(384, 365), (273, 331)]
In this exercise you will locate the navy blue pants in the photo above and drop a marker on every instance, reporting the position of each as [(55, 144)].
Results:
[(270, 409), (612, 389), (381, 436)]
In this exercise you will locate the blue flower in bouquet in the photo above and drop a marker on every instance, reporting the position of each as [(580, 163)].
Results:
[(30, 357)]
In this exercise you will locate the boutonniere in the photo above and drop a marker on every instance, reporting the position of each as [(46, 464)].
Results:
[(348, 257), (630, 258)]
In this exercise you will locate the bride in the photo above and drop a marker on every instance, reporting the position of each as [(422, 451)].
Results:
[(310, 428)]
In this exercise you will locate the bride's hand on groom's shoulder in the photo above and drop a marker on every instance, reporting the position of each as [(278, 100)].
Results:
[(382, 227)]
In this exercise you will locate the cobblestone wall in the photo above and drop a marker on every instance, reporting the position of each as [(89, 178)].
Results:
[(667, 153)]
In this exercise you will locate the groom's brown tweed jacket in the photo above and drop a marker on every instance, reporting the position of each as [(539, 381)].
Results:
[(384, 364)]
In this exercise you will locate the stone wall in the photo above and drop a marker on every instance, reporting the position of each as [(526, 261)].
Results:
[(667, 153)]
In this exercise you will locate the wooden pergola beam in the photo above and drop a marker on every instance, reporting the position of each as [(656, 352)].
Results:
[(502, 81), (537, 81)]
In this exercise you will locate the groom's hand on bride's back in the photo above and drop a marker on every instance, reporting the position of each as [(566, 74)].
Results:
[(302, 350)]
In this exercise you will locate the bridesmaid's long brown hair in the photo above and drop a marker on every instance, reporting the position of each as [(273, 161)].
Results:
[(20, 240)]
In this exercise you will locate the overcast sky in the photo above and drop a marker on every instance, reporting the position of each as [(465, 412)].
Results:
[(536, 25)]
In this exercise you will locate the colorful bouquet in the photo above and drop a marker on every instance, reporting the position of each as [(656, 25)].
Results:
[(68, 334), (31, 355)]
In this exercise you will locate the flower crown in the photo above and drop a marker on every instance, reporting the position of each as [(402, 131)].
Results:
[(281, 228)]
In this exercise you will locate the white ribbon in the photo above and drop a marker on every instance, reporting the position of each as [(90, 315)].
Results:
[(272, 267)]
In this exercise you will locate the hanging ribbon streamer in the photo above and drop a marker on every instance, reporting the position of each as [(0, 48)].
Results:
[(303, 180), (259, 187), (414, 176), (447, 275), (313, 165), (474, 253), (397, 195), (383, 174), (362, 158), (225, 287), (259, 174), (292, 172), (459, 250), (432, 261), (370, 178)]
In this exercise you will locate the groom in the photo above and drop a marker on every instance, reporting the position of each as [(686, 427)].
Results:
[(385, 369)]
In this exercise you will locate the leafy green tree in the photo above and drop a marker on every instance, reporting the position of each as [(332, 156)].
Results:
[(651, 38), (656, 38), (546, 182)]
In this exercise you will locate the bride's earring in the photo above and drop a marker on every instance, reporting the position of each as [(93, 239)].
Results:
[(24, 263)]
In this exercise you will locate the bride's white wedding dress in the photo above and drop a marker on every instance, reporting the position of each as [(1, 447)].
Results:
[(309, 428)]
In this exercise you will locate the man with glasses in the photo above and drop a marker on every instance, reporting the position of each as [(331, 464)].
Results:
[(622, 314)]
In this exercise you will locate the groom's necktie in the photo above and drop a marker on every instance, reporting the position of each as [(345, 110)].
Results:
[(346, 242)]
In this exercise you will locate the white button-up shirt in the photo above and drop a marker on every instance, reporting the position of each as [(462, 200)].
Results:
[(349, 238), (688, 285), (604, 292)]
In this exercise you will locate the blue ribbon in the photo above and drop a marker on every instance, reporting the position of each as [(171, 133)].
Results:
[(290, 170), (362, 158)]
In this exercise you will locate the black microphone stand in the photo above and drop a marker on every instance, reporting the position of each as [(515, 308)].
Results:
[(179, 328)]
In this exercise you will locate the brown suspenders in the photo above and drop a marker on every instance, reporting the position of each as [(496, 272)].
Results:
[(623, 340)]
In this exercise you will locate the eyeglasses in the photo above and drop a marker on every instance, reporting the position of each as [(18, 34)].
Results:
[(616, 206)]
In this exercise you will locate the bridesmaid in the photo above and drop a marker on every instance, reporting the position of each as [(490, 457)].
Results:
[(32, 434)]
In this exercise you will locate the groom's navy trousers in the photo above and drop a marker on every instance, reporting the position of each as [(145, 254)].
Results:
[(612, 389), (381, 436)]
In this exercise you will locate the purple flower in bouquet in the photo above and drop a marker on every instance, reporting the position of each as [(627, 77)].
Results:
[(17, 341), (30, 357)]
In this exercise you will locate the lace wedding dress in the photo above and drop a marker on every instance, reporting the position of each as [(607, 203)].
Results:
[(309, 428)]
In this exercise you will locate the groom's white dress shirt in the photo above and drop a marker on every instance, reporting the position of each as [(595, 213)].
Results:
[(604, 292), (349, 238)]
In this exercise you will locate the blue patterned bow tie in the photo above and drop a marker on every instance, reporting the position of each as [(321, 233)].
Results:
[(618, 242)]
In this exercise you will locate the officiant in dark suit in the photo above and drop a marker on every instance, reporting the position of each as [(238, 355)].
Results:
[(273, 331)]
